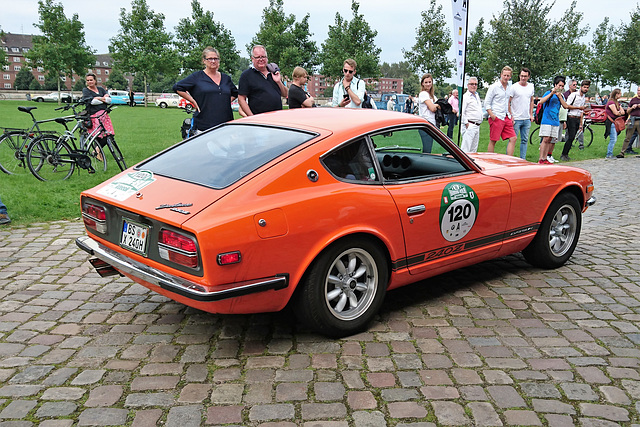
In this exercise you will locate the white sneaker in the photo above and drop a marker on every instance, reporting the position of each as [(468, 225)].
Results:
[(551, 159)]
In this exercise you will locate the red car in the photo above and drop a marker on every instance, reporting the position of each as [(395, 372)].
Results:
[(325, 209), (183, 103)]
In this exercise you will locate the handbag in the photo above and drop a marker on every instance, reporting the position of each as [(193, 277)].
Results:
[(620, 124)]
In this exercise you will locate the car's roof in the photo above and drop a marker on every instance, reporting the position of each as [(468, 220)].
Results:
[(336, 120)]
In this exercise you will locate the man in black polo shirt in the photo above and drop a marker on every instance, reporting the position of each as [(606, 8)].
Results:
[(259, 89)]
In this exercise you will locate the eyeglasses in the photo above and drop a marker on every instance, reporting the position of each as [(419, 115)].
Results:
[(212, 59), (259, 57), (344, 70), (472, 84)]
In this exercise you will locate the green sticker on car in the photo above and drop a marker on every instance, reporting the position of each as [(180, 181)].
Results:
[(458, 211)]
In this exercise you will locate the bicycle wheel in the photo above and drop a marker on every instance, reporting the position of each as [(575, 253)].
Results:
[(49, 159), (97, 155), (534, 136), (115, 152), (12, 158), (588, 136)]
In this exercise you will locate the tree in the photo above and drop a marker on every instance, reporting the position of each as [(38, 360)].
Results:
[(433, 41), (350, 39), (523, 36), (142, 46), (23, 79), (163, 84), (78, 85), (35, 85), (576, 55), (117, 80), (201, 30), (478, 44), (61, 49), (3, 56), (601, 52), (288, 42), (51, 82), (624, 62)]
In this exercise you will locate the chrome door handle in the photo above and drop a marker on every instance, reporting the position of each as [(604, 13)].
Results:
[(414, 210)]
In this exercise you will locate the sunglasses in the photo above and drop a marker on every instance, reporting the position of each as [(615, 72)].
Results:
[(344, 70)]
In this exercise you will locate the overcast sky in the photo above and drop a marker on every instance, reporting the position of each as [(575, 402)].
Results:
[(395, 20)]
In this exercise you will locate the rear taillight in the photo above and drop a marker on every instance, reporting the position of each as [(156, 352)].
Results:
[(94, 217), (178, 248)]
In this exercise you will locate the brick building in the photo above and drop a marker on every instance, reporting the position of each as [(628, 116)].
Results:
[(16, 46)]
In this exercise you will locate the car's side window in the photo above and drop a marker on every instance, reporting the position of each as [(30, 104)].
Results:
[(352, 162), (414, 153)]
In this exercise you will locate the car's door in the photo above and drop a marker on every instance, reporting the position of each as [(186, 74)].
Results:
[(448, 212)]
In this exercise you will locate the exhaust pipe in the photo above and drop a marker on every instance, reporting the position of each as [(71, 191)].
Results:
[(103, 269)]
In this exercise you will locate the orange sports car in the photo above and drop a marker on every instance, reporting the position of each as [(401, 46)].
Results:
[(326, 209)]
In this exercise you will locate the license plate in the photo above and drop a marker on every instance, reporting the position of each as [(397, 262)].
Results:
[(134, 237)]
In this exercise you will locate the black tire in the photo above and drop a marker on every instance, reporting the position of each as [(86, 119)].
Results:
[(558, 234), (39, 100), (588, 136), (188, 108), (98, 157), (163, 105), (116, 153), (534, 136), (49, 159), (12, 159), (344, 288)]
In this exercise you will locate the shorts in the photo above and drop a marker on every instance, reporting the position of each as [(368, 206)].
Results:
[(501, 129), (548, 130)]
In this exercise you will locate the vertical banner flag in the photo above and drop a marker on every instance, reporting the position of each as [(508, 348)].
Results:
[(460, 36)]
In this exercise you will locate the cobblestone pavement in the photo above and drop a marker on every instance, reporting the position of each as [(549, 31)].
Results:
[(500, 343)]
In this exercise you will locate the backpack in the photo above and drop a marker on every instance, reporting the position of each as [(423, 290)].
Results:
[(540, 110), (366, 103)]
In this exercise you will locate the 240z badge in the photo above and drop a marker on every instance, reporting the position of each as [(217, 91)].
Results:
[(458, 211)]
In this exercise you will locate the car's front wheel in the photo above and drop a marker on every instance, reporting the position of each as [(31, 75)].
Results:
[(163, 105), (558, 234), (188, 108), (344, 288)]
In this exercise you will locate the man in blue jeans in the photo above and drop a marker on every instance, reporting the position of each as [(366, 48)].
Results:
[(4, 217), (521, 108)]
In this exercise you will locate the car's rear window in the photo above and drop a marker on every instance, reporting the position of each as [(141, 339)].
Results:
[(226, 154)]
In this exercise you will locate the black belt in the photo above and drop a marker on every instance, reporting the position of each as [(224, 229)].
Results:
[(474, 123)]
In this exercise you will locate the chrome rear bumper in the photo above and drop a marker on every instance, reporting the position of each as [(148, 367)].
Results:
[(177, 284)]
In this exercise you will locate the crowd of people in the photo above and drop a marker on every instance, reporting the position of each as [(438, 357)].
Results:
[(510, 107)]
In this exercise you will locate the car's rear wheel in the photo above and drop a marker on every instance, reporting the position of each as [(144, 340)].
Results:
[(344, 288), (188, 108), (558, 234), (163, 105)]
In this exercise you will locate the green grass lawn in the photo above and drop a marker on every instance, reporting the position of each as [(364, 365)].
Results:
[(140, 132)]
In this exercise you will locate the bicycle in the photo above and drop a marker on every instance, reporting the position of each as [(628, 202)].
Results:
[(586, 130), (14, 142), (51, 158)]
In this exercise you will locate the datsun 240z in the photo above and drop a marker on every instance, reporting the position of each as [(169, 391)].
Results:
[(326, 209)]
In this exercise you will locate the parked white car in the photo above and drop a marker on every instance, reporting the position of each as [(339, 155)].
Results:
[(50, 97), (168, 100)]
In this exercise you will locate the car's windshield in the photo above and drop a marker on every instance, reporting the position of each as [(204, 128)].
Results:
[(224, 155)]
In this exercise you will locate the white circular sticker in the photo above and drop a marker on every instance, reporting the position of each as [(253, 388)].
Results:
[(458, 219)]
